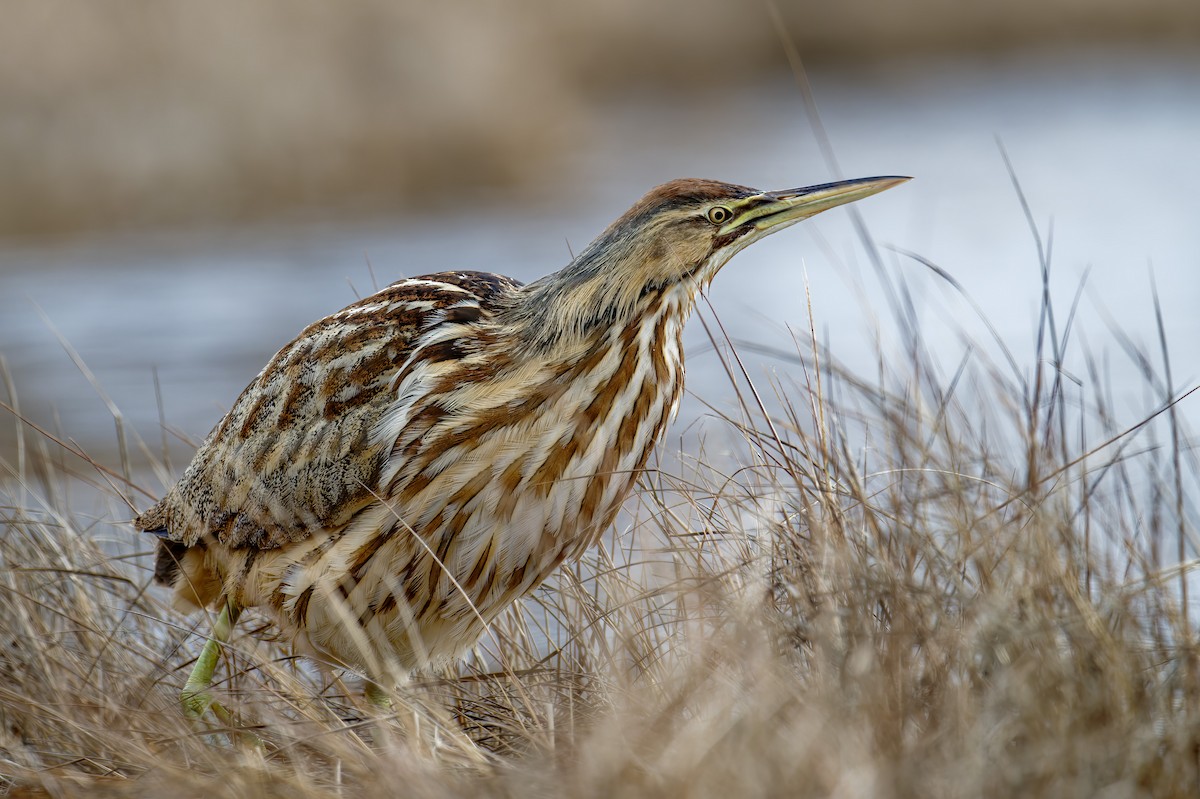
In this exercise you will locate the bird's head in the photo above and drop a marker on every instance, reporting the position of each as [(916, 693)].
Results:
[(679, 235)]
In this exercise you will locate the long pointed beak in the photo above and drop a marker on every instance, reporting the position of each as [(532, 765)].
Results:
[(773, 210)]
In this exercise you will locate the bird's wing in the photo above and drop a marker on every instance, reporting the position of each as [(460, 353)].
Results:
[(294, 454)]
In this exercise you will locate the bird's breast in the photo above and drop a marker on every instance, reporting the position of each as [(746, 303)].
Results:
[(505, 474)]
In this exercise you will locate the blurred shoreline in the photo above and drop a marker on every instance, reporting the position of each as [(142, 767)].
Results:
[(146, 114)]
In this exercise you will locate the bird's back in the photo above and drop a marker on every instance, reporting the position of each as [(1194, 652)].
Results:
[(295, 455)]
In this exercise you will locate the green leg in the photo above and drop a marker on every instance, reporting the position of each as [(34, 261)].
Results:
[(195, 697), (377, 696)]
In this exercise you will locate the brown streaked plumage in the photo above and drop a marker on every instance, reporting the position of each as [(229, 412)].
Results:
[(409, 466)]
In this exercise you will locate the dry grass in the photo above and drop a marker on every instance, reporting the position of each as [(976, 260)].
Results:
[(910, 585)]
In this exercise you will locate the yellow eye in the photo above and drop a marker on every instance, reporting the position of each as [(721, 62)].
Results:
[(719, 215)]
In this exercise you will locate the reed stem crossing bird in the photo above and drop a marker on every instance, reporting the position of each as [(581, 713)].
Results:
[(411, 465)]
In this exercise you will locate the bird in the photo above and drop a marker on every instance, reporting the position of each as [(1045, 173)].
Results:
[(413, 464)]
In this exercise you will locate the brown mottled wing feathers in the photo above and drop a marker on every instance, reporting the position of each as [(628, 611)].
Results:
[(293, 455)]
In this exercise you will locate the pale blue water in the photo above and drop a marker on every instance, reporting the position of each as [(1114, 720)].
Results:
[(1105, 144)]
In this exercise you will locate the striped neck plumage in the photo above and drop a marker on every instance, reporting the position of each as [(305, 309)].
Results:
[(610, 286)]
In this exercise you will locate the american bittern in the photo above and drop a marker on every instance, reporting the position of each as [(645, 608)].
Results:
[(408, 467)]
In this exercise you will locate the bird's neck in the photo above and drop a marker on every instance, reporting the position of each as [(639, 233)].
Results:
[(583, 305)]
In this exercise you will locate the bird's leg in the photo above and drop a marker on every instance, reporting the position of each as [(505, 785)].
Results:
[(376, 695), (195, 697)]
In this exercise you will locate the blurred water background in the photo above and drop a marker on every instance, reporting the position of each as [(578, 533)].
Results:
[(183, 187)]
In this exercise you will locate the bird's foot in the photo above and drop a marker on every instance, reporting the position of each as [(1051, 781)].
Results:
[(377, 696), (198, 702)]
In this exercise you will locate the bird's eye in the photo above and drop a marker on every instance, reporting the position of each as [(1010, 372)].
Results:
[(719, 215)]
